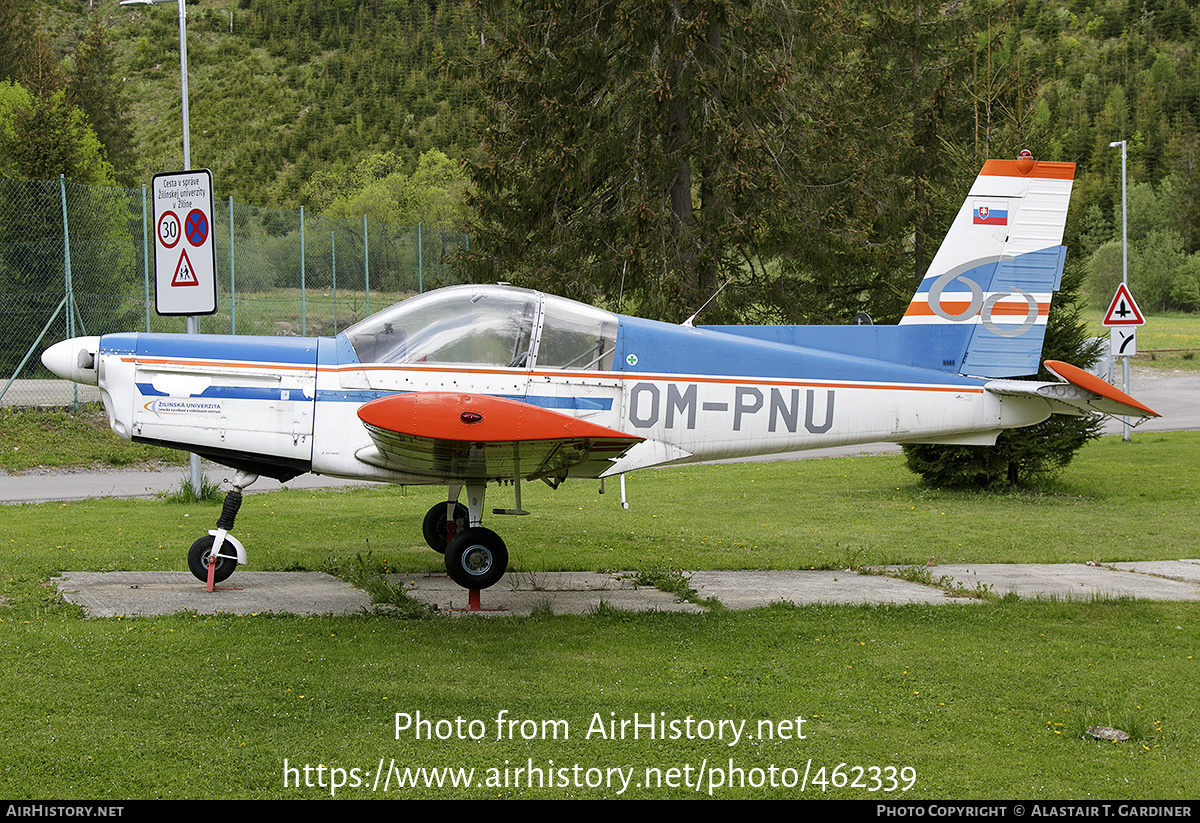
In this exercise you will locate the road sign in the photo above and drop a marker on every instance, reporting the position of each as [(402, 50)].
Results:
[(185, 274), (168, 229), (196, 227), (1123, 311), (1123, 341)]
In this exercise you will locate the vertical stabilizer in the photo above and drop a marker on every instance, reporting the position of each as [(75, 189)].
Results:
[(999, 266)]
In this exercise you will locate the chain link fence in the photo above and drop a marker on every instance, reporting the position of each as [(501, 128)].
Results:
[(79, 260)]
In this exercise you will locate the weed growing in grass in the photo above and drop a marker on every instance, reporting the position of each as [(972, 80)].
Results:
[(367, 573), (525, 580), (209, 492), (1092, 724), (542, 609), (952, 587), (854, 558), (666, 579)]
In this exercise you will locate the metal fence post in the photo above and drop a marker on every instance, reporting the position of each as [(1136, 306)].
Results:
[(232, 281), (145, 262), (333, 271), (70, 294), (366, 268), (303, 317)]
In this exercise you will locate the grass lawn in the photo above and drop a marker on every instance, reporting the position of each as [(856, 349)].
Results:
[(57, 438), (986, 700)]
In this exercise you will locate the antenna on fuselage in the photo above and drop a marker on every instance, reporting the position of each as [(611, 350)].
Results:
[(621, 293), (688, 322)]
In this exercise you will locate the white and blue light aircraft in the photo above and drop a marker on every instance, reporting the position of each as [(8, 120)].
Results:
[(475, 385)]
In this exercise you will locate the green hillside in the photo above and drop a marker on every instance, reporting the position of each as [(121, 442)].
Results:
[(281, 90)]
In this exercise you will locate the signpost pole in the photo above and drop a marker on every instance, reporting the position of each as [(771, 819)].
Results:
[(193, 321), (1124, 272)]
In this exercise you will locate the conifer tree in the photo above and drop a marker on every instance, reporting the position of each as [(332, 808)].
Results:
[(94, 86), (15, 31), (654, 148)]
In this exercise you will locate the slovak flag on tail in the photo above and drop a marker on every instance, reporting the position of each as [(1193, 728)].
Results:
[(991, 214)]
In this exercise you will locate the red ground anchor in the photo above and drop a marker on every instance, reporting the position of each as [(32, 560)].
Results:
[(473, 604)]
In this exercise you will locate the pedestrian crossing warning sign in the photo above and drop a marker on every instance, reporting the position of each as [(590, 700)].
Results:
[(184, 276), (185, 266)]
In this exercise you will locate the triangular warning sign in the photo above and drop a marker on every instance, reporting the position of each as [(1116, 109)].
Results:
[(1123, 311), (184, 276)]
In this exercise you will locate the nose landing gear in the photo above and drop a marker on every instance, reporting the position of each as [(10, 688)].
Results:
[(215, 556)]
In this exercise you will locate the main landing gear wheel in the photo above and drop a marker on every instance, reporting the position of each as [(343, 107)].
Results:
[(434, 527), (477, 558), (198, 560)]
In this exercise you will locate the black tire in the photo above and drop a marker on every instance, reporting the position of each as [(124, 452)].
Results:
[(434, 527), (198, 560), (477, 558)]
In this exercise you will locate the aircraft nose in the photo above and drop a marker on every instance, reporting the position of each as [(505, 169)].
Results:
[(73, 359)]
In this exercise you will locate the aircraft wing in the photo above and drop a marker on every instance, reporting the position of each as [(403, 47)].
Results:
[(1082, 392), (476, 436)]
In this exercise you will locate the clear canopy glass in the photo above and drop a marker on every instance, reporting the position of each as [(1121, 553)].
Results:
[(491, 326)]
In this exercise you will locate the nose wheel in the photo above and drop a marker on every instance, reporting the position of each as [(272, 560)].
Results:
[(200, 554)]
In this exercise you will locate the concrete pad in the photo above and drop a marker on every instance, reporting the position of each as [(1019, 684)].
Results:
[(112, 594), (1186, 571), (522, 593), (1067, 581), (754, 589)]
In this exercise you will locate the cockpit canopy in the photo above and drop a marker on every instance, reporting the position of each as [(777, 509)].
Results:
[(495, 326)]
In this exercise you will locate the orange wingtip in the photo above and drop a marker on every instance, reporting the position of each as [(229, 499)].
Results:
[(1086, 380), (478, 418)]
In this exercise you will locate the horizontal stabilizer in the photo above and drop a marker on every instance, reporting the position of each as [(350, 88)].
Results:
[(1082, 393)]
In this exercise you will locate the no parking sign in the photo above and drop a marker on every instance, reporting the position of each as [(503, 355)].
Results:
[(185, 262)]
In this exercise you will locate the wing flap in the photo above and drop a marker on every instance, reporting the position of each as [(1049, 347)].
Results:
[(475, 436)]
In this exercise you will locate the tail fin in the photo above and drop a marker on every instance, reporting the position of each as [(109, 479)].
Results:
[(999, 266)]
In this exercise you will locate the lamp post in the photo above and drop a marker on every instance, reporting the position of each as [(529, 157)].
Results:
[(193, 322), (1124, 271), (183, 80)]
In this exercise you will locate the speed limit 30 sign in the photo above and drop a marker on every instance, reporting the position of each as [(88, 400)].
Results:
[(185, 270)]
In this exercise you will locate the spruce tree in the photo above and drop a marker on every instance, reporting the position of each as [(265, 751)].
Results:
[(654, 149), (94, 86)]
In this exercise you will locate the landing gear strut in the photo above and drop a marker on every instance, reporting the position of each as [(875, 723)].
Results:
[(214, 557), (476, 557)]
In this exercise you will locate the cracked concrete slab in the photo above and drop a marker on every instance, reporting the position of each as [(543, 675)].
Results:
[(145, 594), (110, 594), (523, 593)]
